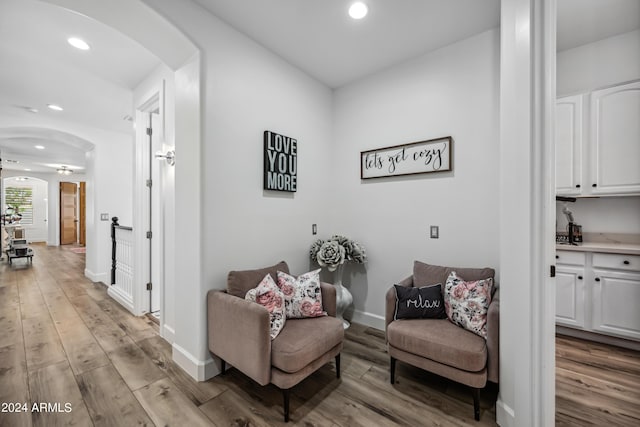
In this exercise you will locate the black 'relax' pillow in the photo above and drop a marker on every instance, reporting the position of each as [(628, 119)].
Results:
[(419, 303)]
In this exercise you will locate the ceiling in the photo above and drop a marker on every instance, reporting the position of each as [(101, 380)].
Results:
[(322, 40), (318, 37), (39, 67)]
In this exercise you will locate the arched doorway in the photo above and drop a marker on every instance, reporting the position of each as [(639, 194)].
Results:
[(180, 55)]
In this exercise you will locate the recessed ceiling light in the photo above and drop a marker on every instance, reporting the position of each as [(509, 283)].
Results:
[(78, 43), (27, 169), (39, 147), (55, 107), (358, 10)]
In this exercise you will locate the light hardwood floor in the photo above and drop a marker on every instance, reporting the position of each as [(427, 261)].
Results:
[(64, 341), (596, 384)]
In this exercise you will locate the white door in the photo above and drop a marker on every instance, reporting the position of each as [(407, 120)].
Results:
[(569, 145), (157, 267), (614, 312), (570, 296), (615, 140)]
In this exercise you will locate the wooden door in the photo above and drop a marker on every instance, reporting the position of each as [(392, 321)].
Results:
[(68, 206), (83, 212)]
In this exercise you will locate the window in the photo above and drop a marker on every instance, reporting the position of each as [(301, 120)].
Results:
[(20, 201)]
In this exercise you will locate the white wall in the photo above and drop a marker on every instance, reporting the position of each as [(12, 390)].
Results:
[(110, 187), (603, 215), (595, 65), (583, 69), (452, 91), (247, 90)]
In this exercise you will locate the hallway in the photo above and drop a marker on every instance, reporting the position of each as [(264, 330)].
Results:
[(64, 341)]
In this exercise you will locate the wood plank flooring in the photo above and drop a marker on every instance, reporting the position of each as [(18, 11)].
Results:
[(64, 342), (596, 384)]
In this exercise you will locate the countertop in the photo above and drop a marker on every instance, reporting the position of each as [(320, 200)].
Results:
[(613, 243), (613, 248)]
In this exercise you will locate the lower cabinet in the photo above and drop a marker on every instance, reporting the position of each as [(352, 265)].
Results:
[(615, 303), (598, 293), (570, 296)]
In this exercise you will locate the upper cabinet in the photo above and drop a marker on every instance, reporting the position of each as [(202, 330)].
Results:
[(602, 156), (615, 140), (569, 145)]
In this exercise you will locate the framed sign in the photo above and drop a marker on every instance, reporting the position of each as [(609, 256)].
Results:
[(429, 156), (280, 162)]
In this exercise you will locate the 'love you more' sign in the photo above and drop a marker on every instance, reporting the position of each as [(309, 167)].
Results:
[(280, 162)]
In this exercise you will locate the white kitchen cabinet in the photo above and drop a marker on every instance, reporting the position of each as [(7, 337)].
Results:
[(569, 145), (570, 294), (615, 140), (598, 292), (615, 303), (597, 142)]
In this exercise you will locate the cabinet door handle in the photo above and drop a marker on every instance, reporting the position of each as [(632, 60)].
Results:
[(577, 185), (594, 185), (597, 279), (579, 277), (625, 262)]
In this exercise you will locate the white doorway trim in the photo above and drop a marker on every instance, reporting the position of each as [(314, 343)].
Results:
[(527, 205)]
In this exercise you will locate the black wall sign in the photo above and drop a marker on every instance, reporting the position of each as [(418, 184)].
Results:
[(280, 162)]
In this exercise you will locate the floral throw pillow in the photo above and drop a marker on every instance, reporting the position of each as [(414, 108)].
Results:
[(269, 295), (302, 295), (467, 303)]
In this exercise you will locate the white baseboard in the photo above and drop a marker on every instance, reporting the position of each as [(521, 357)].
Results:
[(168, 333), (96, 277), (505, 416), (124, 300), (368, 319), (200, 370)]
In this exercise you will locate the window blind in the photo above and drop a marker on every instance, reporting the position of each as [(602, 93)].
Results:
[(21, 200)]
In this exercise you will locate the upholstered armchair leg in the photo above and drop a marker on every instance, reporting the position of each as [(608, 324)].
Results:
[(338, 365), (223, 366), (476, 403), (392, 370), (285, 395)]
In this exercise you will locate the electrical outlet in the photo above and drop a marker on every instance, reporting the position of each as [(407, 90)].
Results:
[(314, 229), (435, 232), (104, 217)]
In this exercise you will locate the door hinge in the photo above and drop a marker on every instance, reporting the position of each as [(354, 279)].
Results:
[(149, 234), (149, 131), (553, 271), (149, 286), (149, 183)]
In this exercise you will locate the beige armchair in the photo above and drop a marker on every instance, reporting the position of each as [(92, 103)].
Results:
[(438, 345), (238, 332)]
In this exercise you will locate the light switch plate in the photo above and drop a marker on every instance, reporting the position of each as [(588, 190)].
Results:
[(104, 217), (314, 229), (435, 232)]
